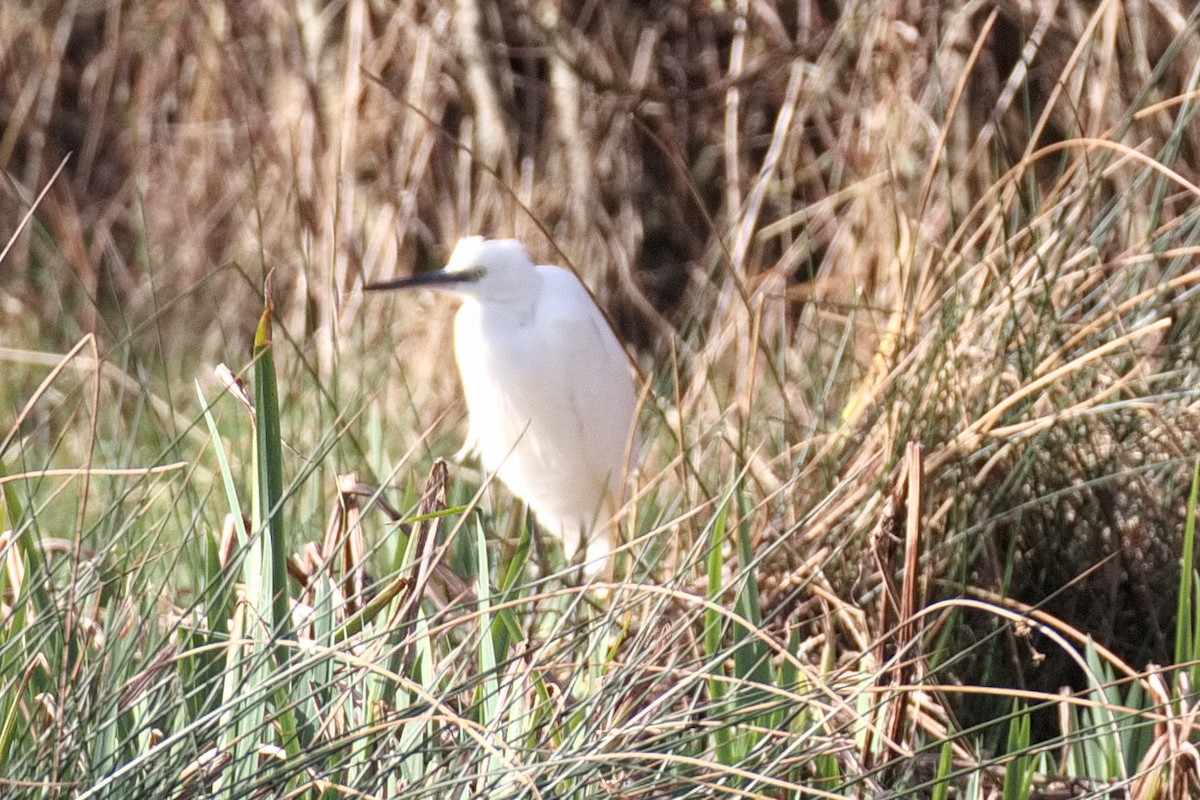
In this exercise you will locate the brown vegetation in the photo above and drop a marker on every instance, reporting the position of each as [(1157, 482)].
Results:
[(856, 225)]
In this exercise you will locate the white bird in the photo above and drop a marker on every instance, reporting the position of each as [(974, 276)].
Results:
[(549, 389)]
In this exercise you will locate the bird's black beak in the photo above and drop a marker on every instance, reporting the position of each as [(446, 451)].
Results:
[(438, 278)]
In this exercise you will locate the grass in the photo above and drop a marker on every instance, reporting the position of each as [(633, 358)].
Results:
[(913, 298)]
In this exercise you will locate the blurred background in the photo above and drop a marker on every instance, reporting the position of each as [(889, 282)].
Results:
[(663, 150)]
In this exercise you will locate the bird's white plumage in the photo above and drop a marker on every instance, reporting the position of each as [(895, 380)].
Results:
[(548, 387)]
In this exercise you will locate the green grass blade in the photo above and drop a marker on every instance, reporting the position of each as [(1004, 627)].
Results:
[(941, 780), (713, 628), (1018, 774), (1185, 626), (269, 465)]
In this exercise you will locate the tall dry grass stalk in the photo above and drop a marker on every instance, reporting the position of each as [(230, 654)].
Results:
[(829, 231)]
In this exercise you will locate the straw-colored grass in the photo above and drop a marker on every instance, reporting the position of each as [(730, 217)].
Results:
[(912, 292)]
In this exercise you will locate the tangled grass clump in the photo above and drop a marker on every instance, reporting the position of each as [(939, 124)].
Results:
[(912, 291)]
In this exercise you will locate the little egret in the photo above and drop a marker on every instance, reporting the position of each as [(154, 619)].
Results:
[(549, 390)]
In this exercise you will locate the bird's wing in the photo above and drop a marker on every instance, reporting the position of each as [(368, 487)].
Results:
[(596, 369), (568, 302)]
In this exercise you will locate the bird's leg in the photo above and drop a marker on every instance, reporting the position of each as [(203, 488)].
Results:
[(539, 549), (576, 559), (581, 545)]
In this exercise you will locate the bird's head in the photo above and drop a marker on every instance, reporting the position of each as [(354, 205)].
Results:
[(488, 270), (492, 269)]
